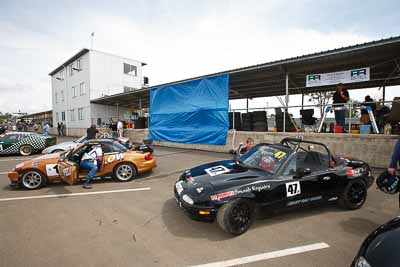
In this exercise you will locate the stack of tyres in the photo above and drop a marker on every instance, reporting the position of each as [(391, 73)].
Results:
[(238, 120), (260, 123), (289, 127), (140, 123), (247, 123)]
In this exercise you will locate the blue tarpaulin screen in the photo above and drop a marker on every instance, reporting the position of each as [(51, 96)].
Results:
[(194, 112)]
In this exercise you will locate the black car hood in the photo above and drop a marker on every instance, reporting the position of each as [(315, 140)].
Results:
[(381, 246), (224, 171)]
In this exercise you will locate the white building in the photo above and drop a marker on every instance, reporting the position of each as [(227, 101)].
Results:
[(88, 75)]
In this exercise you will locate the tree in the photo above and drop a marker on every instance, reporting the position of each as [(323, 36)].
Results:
[(321, 99)]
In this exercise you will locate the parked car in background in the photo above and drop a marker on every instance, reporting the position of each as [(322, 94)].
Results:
[(24, 143), (65, 146)]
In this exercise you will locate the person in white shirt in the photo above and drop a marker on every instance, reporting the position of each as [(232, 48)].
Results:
[(89, 161), (120, 128)]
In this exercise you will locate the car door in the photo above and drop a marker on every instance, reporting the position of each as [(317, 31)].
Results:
[(301, 190), (68, 171)]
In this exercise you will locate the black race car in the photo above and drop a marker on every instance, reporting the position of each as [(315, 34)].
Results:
[(276, 177), (381, 247)]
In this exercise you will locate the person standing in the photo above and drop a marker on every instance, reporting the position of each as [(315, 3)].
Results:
[(89, 161), (91, 132), (340, 97), (46, 129), (62, 126), (120, 128), (59, 129), (395, 158)]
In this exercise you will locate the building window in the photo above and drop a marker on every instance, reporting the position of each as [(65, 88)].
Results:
[(62, 96), (57, 117), (73, 91), (56, 97), (80, 114), (130, 69), (78, 64), (72, 115), (82, 88), (71, 69), (63, 116), (60, 76)]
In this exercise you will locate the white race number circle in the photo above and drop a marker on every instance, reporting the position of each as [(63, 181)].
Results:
[(217, 170), (293, 189)]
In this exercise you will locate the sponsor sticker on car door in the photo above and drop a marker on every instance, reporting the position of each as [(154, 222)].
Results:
[(293, 189)]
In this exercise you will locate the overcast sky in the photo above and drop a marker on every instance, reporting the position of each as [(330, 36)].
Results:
[(178, 39)]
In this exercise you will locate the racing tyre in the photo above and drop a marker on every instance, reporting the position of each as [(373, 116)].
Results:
[(236, 216), (26, 150), (124, 172), (33, 179), (353, 195)]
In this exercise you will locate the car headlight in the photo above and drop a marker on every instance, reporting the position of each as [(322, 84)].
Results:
[(362, 262), (187, 199)]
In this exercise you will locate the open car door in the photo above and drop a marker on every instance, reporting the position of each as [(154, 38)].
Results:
[(68, 172)]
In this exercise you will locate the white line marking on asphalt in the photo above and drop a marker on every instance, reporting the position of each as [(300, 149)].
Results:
[(76, 194), (266, 256), (3, 172)]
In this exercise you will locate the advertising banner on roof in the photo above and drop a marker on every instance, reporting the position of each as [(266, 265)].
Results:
[(346, 76)]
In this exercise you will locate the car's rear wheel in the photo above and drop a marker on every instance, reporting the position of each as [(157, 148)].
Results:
[(26, 150), (354, 195), (236, 216), (124, 172), (33, 179)]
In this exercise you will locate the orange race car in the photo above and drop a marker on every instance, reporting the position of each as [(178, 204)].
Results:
[(118, 162)]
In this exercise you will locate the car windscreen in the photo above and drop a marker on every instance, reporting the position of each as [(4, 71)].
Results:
[(266, 157)]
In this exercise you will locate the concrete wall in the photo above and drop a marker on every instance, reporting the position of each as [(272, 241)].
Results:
[(374, 149), (107, 75)]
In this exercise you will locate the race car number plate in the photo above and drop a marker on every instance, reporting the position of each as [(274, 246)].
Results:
[(217, 170), (179, 187), (293, 189)]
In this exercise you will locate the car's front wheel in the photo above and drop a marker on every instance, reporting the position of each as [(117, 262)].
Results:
[(354, 195), (26, 150), (236, 216), (124, 172), (33, 179)]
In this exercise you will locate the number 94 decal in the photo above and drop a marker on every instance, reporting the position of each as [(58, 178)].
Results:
[(293, 189)]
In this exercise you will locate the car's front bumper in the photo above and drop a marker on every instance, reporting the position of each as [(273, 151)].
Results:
[(198, 213)]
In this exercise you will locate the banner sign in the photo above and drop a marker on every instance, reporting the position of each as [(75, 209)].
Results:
[(347, 76)]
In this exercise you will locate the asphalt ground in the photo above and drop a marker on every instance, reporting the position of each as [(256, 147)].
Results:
[(142, 225)]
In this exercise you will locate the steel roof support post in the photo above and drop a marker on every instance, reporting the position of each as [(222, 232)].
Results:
[(285, 110), (383, 94), (117, 111), (247, 105), (140, 106)]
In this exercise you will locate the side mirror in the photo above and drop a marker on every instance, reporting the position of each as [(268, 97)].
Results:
[(301, 172)]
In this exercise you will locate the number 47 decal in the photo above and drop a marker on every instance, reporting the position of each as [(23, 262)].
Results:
[(293, 189)]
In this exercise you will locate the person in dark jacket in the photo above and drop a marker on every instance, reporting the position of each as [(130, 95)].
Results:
[(91, 132), (340, 97), (395, 158)]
